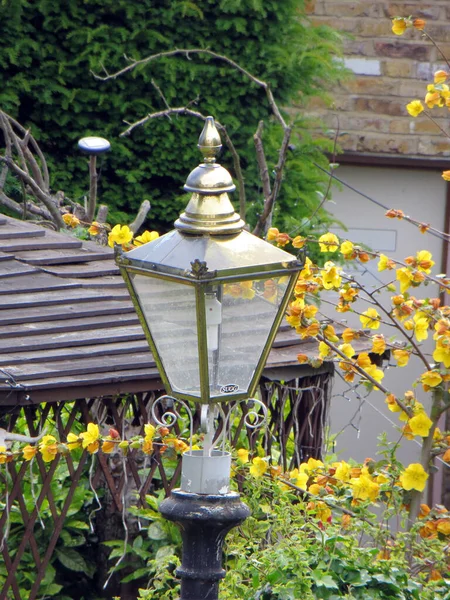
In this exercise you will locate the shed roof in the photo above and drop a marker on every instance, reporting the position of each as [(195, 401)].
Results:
[(68, 328)]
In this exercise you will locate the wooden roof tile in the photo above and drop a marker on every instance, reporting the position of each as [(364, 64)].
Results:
[(68, 328)]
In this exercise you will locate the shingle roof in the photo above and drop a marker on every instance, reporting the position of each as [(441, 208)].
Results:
[(68, 329)]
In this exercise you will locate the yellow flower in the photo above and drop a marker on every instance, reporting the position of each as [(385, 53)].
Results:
[(363, 488), (95, 228), (299, 478), (440, 77), (402, 357), (312, 465), (243, 455), (328, 242), (430, 379), (73, 441), (259, 467), (272, 234), (420, 424), (70, 220), (342, 472), (399, 25), (149, 431), (108, 445), (378, 344), (424, 261), (415, 108), (420, 327), (324, 350), (414, 477), (120, 234), (331, 276), (330, 333), (347, 248), (404, 276), (3, 455), (442, 354), (314, 489), (347, 349), (392, 404), (299, 241), (90, 438), (323, 512), (385, 263), (349, 334), (147, 446), (443, 526), (446, 175), (375, 373), (145, 238), (370, 319), (48, 447), (29, 452)]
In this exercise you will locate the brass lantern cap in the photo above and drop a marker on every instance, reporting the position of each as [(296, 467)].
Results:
[(209, 211)]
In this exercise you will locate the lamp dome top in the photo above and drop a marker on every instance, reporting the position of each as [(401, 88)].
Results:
[(210, 210)]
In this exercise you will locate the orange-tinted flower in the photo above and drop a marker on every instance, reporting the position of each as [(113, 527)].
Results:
[(394, 214), (95, 228), (29, 452), (419, 24), (70, 220)]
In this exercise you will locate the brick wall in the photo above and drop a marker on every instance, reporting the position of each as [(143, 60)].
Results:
[(389, 71)]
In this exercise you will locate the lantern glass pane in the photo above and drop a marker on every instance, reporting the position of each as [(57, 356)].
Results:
[(170, 312), (239, 318)]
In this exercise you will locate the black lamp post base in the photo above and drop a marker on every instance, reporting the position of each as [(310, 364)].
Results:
[(204, 521)]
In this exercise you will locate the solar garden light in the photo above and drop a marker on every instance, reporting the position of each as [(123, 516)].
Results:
[(210, 297), (93, 146)]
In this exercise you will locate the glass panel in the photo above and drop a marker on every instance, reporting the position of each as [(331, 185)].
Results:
[(169, 308), (239, 318)]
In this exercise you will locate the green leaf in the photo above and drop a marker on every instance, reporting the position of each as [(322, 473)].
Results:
[(323, 580), (156, 531), (72, 560)]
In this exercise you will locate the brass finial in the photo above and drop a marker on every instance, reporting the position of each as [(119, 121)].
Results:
[(209, 210), (209, 142)]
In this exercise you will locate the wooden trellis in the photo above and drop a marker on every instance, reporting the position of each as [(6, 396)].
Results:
[(289, 407)]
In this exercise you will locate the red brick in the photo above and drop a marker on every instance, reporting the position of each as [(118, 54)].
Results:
[(403, 50)]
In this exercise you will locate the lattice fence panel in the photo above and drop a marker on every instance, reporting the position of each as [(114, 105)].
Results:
[(297, 412)]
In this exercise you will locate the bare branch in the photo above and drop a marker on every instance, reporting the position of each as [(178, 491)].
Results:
[(187, 52), (140, 217), (21, 210), (262, 163), (40, 194)]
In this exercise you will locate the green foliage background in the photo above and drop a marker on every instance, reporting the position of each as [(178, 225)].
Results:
[(50, 47)]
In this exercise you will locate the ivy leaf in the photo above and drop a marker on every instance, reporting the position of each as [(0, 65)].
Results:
[(323, 580)]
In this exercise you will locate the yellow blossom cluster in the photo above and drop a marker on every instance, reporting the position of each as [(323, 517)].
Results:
[(119, 234), (366, 483), (93, 441)]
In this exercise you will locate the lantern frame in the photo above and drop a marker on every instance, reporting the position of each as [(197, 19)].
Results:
[(209, 246)]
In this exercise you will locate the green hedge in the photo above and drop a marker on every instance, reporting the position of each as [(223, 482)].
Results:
[(49, 48)]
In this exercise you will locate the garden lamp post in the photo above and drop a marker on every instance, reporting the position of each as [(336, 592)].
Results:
[(210, 297)]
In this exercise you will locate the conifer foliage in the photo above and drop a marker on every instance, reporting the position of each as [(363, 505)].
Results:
[(51, 47)]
